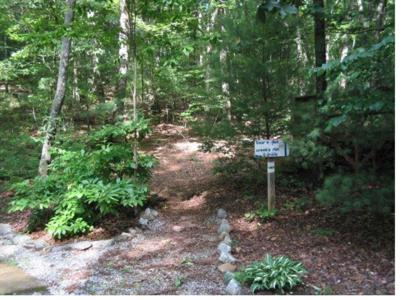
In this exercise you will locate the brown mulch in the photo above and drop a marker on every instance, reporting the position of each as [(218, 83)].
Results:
[(356, 257)]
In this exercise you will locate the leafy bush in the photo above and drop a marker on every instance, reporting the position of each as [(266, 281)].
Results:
[(358, 192), (87, 184), (279, 273), (263, 213), (299, 204)]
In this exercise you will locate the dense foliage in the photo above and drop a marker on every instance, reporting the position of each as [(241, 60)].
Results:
[(232, 70), (86, 184)]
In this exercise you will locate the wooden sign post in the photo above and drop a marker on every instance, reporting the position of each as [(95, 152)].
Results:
[(271, 149)]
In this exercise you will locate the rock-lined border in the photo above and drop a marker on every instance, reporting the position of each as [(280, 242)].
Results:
[(233, 287)]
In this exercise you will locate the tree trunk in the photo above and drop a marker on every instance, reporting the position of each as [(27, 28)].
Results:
[(381, 9), (59, 93), (75, 89), (6, 85), (96, 78), (209, 47), (320, 47), (123, 54)]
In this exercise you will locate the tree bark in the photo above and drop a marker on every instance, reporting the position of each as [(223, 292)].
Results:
[(209, 47), (59, 93), (123, 54), (320, 47)]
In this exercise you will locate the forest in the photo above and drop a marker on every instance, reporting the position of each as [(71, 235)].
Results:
[(127, 144)]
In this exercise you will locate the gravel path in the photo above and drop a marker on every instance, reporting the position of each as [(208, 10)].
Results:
[(175, 254)]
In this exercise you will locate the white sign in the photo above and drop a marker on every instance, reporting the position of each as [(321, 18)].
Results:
[(270, 167), (270, 148)]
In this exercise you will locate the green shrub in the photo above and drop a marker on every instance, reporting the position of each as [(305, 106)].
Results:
[(358, 192), (299, 204), (263, 213), (85, 185), (279, 273)]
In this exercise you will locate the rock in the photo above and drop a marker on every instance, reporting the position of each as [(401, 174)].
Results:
[(5, 242), (13, 281), (5, 229), (223, 247), (143, 222), (227, 240), (221, 213), (149, 214), (81, 246), (8, 251), (227, 268), (22, 240), (40, 245), (177, 228), (127, 235), (102, 244), (227, 257), (233, 288), (224, 227), (227, 276), (223, 235), (135, 231), (36, 244)]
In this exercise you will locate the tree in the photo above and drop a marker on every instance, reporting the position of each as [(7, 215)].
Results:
[(124, 33), (59, 92)]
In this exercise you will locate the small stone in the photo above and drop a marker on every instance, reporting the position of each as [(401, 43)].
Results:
[(223, 247), (149, 214), (224, 226), (5, 229), (134, 231), (227, 276), (223, 235), (22, 240), (8, 251), (177, 228), (143, 222), (126, 235), (102, 244), (81, 246), (227, 257), (227, 268), (6, 242), (233, 288), (227, 240), (221, 213)]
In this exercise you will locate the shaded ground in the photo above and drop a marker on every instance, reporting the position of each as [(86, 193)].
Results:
[(344, 254), (176, 255), (179, 254), (351, 254)]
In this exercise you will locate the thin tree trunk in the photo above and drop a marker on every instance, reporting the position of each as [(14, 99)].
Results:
[(75, 89), (6, 84), (96, 79), (381, 9), (59, 93), (320, 47), (209, 47), (225, 85), (123, 54)]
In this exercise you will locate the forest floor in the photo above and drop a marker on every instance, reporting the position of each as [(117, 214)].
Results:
[(344, 254)]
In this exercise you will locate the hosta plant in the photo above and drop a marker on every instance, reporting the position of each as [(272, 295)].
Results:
[(278, 273)]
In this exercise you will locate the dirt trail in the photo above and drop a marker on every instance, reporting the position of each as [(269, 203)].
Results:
[(178, 255)]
